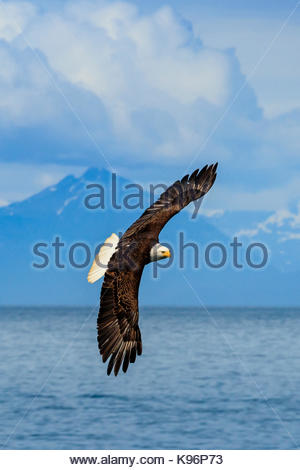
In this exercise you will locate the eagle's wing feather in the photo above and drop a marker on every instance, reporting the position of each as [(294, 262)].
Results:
[(172, 201), (119, 335)]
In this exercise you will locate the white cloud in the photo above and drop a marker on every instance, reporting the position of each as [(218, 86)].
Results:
[(160, 88), (162, 91), (276, 78), (148, 91), (14, 17), (26, 95)]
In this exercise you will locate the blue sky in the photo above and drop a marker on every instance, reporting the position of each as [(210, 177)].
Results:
[(152, 90)]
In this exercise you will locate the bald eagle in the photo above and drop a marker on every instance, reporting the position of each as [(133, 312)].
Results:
[(122, 262)]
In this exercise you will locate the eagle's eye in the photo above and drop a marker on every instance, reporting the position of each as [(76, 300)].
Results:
[(165, 253)]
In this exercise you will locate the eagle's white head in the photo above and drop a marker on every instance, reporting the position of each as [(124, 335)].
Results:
[(158, 252)]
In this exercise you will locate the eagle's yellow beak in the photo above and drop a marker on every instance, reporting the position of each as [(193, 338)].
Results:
[(167, 254)]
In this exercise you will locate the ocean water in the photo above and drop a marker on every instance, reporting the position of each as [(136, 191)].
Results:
[(224, 379)]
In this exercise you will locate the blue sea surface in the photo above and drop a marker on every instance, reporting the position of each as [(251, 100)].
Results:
[(218, 379)]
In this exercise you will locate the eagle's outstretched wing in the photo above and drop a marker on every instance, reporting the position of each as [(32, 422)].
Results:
[(172, 201), (119, 336)]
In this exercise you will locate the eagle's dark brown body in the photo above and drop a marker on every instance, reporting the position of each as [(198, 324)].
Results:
[(119, 336)]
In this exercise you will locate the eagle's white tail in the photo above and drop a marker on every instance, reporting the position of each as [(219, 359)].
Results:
[(101, 260)]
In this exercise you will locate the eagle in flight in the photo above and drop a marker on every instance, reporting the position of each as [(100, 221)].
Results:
[(122, 262)]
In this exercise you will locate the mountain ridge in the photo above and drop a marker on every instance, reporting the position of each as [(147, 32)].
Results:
[(59, 211)]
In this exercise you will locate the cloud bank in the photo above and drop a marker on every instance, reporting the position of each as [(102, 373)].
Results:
[(156, 89), (142, 88)]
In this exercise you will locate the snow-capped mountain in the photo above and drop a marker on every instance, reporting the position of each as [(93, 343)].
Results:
[(279, 231), (81, 212)]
